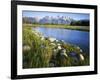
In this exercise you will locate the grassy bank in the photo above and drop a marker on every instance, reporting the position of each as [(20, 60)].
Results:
[(81, 28), (39, 52)]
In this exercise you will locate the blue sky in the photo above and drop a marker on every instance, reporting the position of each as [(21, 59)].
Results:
[(41, 14)]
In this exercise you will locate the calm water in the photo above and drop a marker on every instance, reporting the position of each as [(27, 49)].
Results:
[(80, 38)]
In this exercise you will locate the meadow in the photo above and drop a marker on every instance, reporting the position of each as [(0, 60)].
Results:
[(81, 28)]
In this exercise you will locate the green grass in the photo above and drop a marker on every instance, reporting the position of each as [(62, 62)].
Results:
[(38, 57), (81, 28)]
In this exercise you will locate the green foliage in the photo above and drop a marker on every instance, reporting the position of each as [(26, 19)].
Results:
[(36, 57), (80, 22)]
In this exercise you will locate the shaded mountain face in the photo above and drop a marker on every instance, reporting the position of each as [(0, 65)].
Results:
[(55, 20)]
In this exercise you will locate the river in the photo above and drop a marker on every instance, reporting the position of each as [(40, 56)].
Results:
[(79, 38)]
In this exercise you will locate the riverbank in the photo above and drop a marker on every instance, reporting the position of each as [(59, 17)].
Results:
[(40, 51), (81, 28)]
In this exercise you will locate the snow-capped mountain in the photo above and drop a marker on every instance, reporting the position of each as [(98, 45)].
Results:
[(48, 20)]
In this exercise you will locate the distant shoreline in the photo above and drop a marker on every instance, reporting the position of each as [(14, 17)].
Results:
[(80, 28)]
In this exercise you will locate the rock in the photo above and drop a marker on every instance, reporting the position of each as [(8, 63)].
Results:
[(52, 39), (36, 33), (56, 40), (55, 50), (78, 47), (59, 48), (53, 44), (26, 48), (58, 44), (63, 53), (81, 57), (81, 50)]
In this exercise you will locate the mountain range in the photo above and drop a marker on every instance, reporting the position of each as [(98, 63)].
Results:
[(55, 20)]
